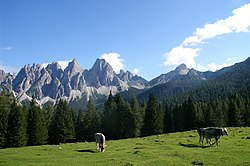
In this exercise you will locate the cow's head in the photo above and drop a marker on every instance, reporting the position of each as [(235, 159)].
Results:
[(224, 131), (103, 147)]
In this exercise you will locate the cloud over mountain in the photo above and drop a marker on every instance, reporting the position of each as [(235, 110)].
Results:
[(189, 49), (114, 59)]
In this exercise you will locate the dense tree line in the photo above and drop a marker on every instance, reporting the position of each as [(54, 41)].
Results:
[(117, 119)]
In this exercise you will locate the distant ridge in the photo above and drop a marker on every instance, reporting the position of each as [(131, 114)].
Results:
[(74, 83)]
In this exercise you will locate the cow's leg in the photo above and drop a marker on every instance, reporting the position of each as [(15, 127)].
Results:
[(200, 140), (217, 139), (97, 146)]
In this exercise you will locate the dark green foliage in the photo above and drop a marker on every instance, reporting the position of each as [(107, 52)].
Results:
[(109, 116), (5, 107), (168, 120), (125, 120), (137, 114), (91, 121), (17, 123), (80, 135), (62, 127), (190, 115), (153, 121), (37, 129)]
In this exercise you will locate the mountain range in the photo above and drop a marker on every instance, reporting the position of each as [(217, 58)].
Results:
[(47, 84)]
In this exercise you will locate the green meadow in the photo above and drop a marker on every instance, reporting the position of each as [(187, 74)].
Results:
[(181, 148)]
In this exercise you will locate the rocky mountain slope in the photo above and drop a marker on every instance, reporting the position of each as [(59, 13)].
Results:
[(74, 82)]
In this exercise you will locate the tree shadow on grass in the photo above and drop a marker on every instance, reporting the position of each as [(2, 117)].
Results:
[(86, 151), (193, 145)]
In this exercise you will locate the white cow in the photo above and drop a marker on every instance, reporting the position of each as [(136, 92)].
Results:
[(100, 142), (212, 132)]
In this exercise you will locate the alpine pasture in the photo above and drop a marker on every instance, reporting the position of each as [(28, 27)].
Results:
[(181, 148)]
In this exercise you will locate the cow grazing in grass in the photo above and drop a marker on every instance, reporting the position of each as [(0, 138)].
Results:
[(201, 136), (212, 132), (100, 142)]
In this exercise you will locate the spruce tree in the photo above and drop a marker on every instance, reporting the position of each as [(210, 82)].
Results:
[(168, 120), (138, 116), (109, 117), (37, 129), (62, 127), (125, 122), (80, 130), (91, 121), (189, 114), (17, 123), (234, 114), (5, 106), (153, 121)]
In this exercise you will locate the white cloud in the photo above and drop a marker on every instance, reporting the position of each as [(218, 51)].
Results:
[(214, 67), (180, 55), (64, 64), (136, 71), (114, 59), (238, 22), (188, 49), (6, 48)]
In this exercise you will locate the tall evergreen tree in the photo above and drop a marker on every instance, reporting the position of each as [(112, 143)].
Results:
[(37, 129), (138, 117), (5, 106), (168, 120), (62, 127), (153, 121), (234, 114), (109, 117), (189, 114), (80, 130), (17, 123), (178, 118), (91, 121), (125, 121)]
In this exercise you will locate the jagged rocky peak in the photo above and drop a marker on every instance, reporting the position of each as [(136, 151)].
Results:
[(73, 68), (182, 69), (53, 66), (125, 76), (101, 65), (54, 69)]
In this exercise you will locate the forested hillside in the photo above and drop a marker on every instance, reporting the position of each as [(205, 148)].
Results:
[(178, 105)]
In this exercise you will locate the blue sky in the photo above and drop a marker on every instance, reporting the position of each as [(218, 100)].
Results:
[(148, 37)]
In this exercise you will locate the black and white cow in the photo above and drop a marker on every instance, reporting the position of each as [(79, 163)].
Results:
[(100, 142), (212, 132), (201, 136)]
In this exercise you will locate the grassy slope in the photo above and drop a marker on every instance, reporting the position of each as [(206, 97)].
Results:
[(167, 149)]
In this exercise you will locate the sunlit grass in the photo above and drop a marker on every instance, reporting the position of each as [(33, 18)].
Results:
[(180, 148)]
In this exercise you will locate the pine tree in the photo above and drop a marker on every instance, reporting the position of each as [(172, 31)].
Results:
[(80, 135), (189, 114), (37, 129), (168, 120), (125, 121), (5, 106), (62, 127), (91, 121), (234, 114), (153, 121), (109, 117), (178, 118), (16, 135), (138, 116)]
